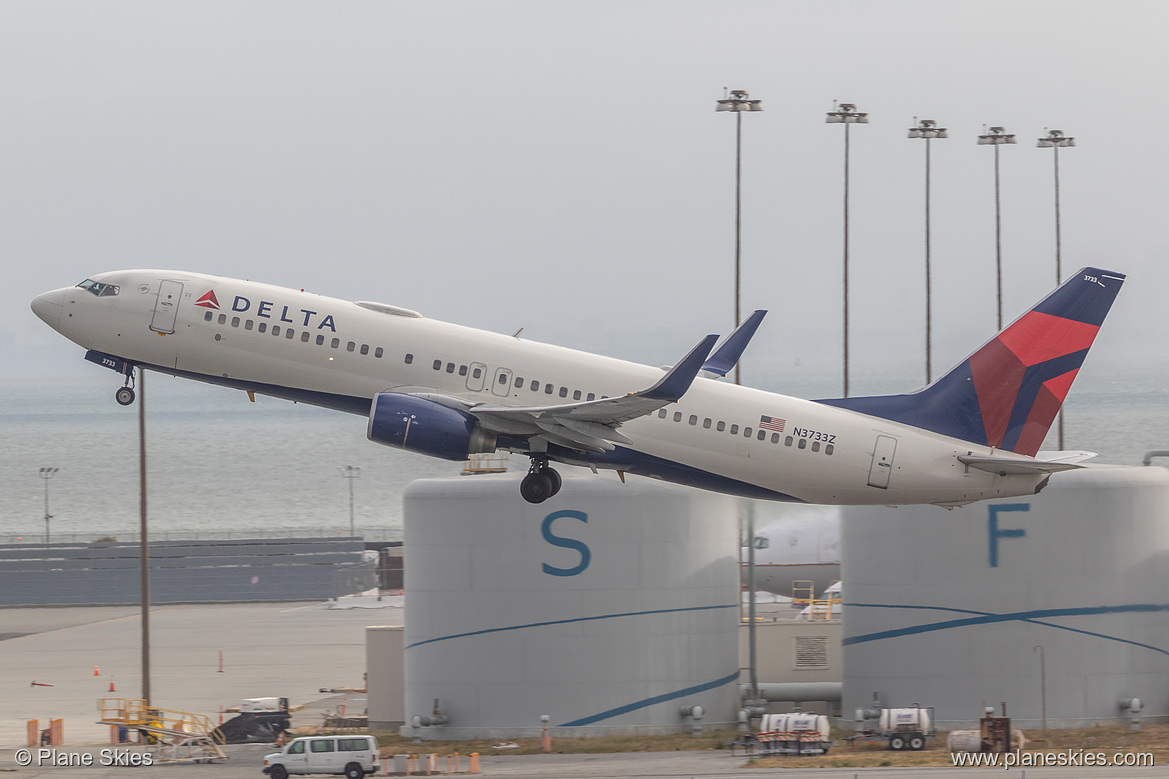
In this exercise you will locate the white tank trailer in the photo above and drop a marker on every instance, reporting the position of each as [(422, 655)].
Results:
[(905, 728), (794, 733), (1056, 605), (611, 608)]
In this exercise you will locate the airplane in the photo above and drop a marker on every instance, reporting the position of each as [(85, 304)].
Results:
[(449, 391), (802, 543)]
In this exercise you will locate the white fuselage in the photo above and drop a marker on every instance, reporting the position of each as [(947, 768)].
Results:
[(341, 354)]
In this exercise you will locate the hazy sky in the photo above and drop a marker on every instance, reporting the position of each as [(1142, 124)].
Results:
[(560, 165)]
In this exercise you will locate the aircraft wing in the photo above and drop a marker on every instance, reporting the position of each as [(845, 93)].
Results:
[(728, 353), (1013, 466), (592, 425)]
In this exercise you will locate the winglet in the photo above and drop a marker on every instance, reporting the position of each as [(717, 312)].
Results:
[(726, 355), (674, 384)]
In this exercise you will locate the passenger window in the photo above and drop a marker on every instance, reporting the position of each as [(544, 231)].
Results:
[(591, 396), (721, 426), (829, 449), (262, 327), (437, 365), (462, 370), (547, 389), (775, 438), (746, 432), (535, 385), (706, 423), (320, 340), (677, 416), (275, 329), (734, 429), (815, 446), (223, 319), (248, 325), (694, 419), (450, 367), (235, 321), (349, 346), (576, 394), (661, 413), (208, 316), (564, 392), (803, 444), (289, 333), (378, 352), (365, 348), (477, 372), (519, 383), (788, 441), (335, 343), (761, 435), (306, 336), (409, 358), (502, 379)]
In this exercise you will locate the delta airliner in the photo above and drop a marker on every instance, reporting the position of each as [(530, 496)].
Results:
[(449, 391)]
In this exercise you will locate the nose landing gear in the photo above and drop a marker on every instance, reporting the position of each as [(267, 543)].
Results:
[(541, 482), (125, 393)]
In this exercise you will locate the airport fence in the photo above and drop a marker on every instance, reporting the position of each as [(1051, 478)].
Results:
[(208, 534)]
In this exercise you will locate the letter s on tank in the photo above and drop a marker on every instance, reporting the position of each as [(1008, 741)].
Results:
[(567, 543)]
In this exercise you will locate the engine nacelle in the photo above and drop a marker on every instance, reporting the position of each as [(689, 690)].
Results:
[(426, 427)]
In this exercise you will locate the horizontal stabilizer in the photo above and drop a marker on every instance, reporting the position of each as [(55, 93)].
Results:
[(1010, 466)]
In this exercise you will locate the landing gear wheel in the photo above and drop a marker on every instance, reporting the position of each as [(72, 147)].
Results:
[(124, 396), (916, 743), (897, 743), (541, 482), (536, 487), (555, 479)]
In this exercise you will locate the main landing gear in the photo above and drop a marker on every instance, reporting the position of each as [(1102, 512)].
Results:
[(125, 393), (541, 482)]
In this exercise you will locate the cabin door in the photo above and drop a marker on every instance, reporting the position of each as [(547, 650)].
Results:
[(166, 307), (882, 465)]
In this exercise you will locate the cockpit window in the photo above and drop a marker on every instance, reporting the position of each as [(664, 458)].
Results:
[(98, 289)]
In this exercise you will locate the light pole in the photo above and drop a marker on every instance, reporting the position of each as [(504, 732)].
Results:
[(928, 129), (46, 474), (1054, 140), (996, 137), (351, 472), (846, 114), (739, 102)]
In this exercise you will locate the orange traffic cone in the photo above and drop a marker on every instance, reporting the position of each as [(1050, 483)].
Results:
[(96, 672), (112, 686)]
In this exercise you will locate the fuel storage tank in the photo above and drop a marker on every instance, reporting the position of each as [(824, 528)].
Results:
[(607, 608), (1060, 597)]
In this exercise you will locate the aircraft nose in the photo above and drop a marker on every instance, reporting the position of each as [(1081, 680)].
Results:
[(49, 306)]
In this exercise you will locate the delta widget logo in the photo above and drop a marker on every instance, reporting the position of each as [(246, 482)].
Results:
[(208, 301)]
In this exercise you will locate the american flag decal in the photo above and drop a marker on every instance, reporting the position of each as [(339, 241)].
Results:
[(772, 423)]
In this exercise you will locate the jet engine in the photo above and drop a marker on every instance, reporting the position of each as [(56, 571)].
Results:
[(426, 427)]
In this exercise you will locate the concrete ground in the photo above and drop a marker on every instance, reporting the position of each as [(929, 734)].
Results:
[(286, 649)]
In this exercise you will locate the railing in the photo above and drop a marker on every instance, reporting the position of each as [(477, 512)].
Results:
[(136, 712), (369, 534)]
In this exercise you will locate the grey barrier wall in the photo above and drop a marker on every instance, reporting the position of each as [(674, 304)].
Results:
[(180, 571)]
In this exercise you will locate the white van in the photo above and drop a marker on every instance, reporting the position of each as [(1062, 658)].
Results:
[(353, 756)]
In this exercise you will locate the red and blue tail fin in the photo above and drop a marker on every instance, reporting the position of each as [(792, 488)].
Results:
[(1007, 393)]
